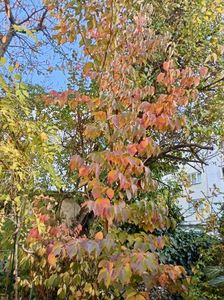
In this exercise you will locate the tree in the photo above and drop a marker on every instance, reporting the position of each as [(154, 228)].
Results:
[(26, 38), (134, 123), (127, 119), (25, 144), (20, 20)]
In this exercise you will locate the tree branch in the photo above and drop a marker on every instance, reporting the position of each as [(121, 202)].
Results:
[(204, 88), (30, 16)]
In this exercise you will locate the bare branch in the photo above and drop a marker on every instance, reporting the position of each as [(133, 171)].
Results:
[(30, 16)]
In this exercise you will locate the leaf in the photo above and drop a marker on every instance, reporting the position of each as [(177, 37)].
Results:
[(75, 162), (124, 184), (87, 67), (51, 280), (160, 77), (125, 274), (131, 295), (71, 249), (103, 202), (166, 65), (143, 145), (100, 116), (112, 176), (132, 149), (3, 61), (110, 193), (203, 71), (43, 137), (34, 234), (99, 236), (92, 132), (4, 39), (196, 81), (163, 279), (84, 171), (105, 273), (52, 259)]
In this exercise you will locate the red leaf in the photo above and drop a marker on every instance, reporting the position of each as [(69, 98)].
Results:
[(203, 71), (44, 218), (34, 234)]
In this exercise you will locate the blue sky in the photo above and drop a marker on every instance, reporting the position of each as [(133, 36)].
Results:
[(37, 62)]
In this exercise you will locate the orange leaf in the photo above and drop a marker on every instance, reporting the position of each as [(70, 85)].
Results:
[(103, 202), (132, 149), (112, 176), (52, 260), (102, 206), (75, 162), (143, 145), (166, 65), (196, 81), (92, 131), (163, 279), (110, 193), (160, 77), (4, 38), (84, 171), (99, 236), (100, 116)]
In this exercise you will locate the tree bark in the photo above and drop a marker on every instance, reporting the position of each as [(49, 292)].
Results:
[(6, 40)]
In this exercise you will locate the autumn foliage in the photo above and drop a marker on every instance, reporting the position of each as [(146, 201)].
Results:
[(142, 94), (126, 117)]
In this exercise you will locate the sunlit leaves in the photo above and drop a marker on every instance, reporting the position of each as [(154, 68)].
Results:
[(100, 207), (130, 125), (112, 176), (99, 235), (110, 193), (52, 260), (75, 162)]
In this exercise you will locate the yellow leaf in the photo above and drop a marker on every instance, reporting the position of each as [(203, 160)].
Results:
[(43, 137), (100, 116)]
